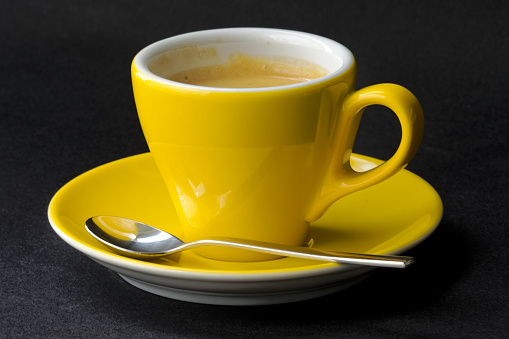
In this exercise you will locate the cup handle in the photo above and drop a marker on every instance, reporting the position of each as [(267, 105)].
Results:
[(341, 178)]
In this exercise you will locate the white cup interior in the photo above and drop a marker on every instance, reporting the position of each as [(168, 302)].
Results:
[(204, 48)]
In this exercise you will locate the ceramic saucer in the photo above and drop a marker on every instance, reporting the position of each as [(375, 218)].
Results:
[(388, 218)]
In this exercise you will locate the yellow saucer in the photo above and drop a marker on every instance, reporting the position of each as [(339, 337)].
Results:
[(388, 218)]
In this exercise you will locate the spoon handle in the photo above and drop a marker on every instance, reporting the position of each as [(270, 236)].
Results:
[(308, 253)]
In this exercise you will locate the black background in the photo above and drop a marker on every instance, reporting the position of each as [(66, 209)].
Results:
[(66, 106)]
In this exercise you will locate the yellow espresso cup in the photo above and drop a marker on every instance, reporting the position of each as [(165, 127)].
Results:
[(260, 163)]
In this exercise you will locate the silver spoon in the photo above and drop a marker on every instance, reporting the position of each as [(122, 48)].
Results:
[(137, 240)]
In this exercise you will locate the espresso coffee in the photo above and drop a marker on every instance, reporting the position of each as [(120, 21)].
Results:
[(244, 71)]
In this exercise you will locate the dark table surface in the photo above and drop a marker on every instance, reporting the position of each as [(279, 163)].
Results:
[(66, 106)]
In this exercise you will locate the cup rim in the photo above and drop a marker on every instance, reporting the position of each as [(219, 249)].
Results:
[(330, 46)]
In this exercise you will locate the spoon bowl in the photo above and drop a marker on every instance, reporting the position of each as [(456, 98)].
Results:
[(141, 241)]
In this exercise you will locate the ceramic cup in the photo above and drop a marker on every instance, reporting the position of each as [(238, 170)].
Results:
[(260, 163)]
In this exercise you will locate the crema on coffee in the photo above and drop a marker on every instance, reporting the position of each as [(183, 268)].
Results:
[(243, 71)]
